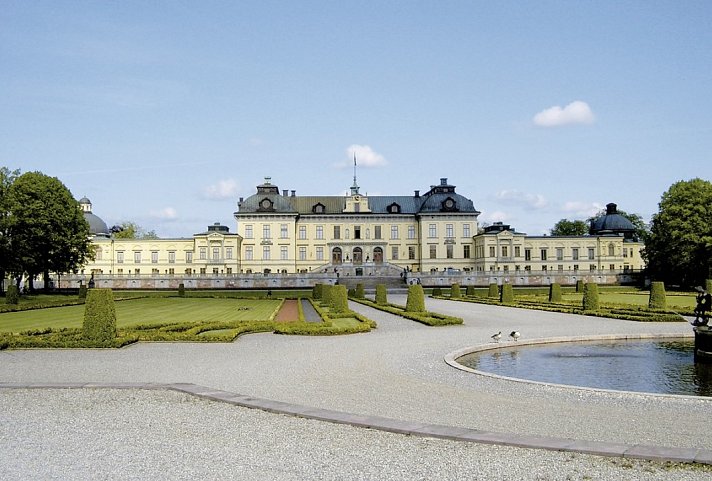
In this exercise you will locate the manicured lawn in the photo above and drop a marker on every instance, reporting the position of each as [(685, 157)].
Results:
[(146, 311), (637, 298)]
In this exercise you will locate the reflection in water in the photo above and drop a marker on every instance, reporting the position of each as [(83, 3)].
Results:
[(665, 367)]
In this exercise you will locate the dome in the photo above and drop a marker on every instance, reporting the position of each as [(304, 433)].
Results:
[(612, 223), (97, 227)]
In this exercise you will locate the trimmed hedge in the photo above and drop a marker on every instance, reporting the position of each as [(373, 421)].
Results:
[(455, 291), (360, 294), (437, 292), (590, 297), (12, 295), (181, 290), (579, 286), (338, 299), (381, 294), (317, 291), (657, 296), (555, 292), (416, 299), (507, 294), (470, 290), (425, 317), (493, 291), (99, 316), (82, 291)]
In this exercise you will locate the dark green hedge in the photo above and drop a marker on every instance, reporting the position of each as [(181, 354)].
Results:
[(381, 294), (416, 299), (99, 316), (12, 295)]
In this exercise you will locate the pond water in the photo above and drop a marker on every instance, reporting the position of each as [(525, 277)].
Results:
[(654, 366)]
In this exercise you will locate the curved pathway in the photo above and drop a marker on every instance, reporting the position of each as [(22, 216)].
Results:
[(397, 372)]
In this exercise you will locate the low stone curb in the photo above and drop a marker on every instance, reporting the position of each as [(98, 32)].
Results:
[(651, 453)]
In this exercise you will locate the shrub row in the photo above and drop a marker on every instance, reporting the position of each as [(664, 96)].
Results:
[(424, 317)]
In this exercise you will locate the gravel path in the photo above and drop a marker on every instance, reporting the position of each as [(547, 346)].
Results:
[(395, 371)]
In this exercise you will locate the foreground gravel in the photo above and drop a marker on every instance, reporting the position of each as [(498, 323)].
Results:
[(87, 434)]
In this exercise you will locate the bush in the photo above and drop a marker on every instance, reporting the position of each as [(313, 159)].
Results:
[(437, 292), (507, 296), (708, 285), (82, 291), (317, 291), (493, 290), (590, 297), (352, 292), (338, 301), (99, 316), (579, 286), (470, 291), (555, 292), (325, 297), (12, 295), (381, 294), (359, 291), (657, 296), (181, 290), (455, 291), (416, 299)]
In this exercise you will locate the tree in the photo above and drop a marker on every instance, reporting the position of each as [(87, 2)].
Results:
[(678, 249), (7, 177), (47, 229), (569, 227), (131, 230)]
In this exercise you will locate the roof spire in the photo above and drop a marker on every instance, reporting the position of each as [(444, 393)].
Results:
[(354, 188)]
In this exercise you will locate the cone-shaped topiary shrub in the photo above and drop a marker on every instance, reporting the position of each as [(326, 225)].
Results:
[(82, 291), (437, 292), (12, 295), (338, 301), (507, 296), (360, 294), (493, 290), (455, 291), (416, 299), (326, 294), (657, 298), (470, 291), (352, 292), (99, 316), (590, 296), (381, 294), (579, 286), (181, 290), (317, 291), (555, 292)]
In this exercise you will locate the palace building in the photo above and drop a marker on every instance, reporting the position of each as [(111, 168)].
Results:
[(280, 232)]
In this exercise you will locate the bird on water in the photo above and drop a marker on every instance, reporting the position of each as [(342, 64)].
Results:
[(514, 335)]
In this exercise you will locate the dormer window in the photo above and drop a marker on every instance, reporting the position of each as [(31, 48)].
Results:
[(449, 204), (266, 205), (394, 208), (319, 208)]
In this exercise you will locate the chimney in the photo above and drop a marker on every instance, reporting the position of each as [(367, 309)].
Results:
[(417, 193), (285, 192), (443, 180), (611, 208), (294, 193)]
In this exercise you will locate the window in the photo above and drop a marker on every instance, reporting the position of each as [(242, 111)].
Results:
[(466, 230), (216, 253), (448, 251), (357, 232), (377, 232), (466, 252), (302, 232), (394, 232), (527, 254), (171, 271), (228, 253), (449, 231), (266, 231), (283, 253), (625, 252), (266, 254), (302, 253), (560, 267), (591, 253), (348, 235), (249, 253), (543, 268), (575, 253), (433, 251), (394, 253), (543, 254), (120, 257), (154, 272), (612, 267), (137, 257), (411, 252), (411, 232), (611, 250), (517, 251), (492, 251), (527, 268), (432, 230), (283, 231), (188, 257), (248, 232), (320, 232), (138, 272), (505, 251), (203, 253), (319, 253), (576, 267), (228, 271), (98, 254), (559, 254), (172, 257), (202, 271), (592, 267)]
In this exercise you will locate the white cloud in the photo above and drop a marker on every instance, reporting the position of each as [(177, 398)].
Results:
[(496, 216), (365, 157), (577, 112), (516, 197), (582, 209), (223, 189), (167, 213)]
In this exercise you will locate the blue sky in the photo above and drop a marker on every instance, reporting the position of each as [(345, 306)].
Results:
[(165, 113)]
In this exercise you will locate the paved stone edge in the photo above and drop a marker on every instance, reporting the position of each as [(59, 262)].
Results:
[(651, 453)]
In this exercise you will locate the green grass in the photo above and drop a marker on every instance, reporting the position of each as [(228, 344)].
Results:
[(152, 310)]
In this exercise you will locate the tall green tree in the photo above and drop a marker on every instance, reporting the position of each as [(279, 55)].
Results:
[(7, 177), (47, 228), (569, 227), (131, 230), (678, 250)]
